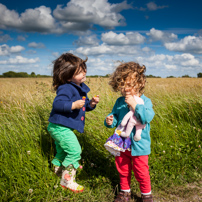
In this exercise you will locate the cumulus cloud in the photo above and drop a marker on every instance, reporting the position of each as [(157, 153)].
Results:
[(190, 44), (16, 49), (158, 35), (21, 38), (4, 38), (178, 64), (77, 15), (91, 40), (105, 49), (130, 38), (92, 12), (36, 45), (20, 60), (32, 20), (96, 64), (6, 50)]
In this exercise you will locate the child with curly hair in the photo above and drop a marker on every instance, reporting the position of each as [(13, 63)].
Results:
[(68, 114), (129, 79)]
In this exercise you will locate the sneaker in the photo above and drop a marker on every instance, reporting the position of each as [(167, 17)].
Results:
[(68, 180), (123, 197), (147, 198)]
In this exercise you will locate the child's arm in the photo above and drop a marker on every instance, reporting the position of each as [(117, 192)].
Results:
[(144, 113), (111, 119)]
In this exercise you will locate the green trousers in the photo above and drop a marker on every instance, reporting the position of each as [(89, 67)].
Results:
[(67, 146)]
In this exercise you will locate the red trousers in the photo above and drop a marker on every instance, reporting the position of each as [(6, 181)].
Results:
[(125, 163)]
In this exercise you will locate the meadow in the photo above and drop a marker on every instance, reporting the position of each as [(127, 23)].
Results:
[(26, 148)]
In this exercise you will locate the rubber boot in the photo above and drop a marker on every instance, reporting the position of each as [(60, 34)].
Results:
[(68, 180)]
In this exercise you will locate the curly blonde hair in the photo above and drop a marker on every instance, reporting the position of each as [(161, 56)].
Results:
[(129, 71)]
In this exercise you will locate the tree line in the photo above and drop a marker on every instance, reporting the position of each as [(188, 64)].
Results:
[(12, 74)]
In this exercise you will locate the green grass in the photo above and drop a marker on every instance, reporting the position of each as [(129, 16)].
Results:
[(26, 148)]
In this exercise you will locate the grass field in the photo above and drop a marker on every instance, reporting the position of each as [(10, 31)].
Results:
[(26, 148)]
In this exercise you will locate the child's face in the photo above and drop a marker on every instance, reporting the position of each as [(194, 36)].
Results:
[(80, 77), (128, 87)]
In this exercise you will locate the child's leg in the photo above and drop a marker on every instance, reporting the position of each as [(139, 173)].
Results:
[(71, 146), (67, 144), (123, 165), (60, 155), (141, 171)]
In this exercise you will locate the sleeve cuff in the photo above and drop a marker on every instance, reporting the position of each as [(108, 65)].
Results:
[(68, 107)]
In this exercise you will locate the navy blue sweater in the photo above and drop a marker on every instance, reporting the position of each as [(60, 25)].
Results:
[(61, 112)]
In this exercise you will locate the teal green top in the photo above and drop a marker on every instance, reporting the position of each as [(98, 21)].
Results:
[(144, 113)]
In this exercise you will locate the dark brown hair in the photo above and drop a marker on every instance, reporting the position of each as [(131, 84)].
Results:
[(129, 70), (65, 67)]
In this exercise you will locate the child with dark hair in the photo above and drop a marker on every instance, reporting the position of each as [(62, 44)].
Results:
[(68, 114), (130, 154)]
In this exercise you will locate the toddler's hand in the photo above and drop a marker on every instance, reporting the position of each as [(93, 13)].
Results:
[(109, 120), (78, 104), (129, 99), (94, 101)]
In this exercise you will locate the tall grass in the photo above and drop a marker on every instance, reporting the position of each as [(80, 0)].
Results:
[(26, 148)]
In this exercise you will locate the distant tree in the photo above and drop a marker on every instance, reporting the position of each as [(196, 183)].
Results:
[(199, 75), (22, 74), (151, 76), (33, 74), (186, 76), (170, 77), (107, 75), (9, 74)]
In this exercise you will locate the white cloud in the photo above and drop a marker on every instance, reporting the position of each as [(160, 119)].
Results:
[(96, 64), (32, 20), (152, 6), (56, 54), (170, 66), (104, 49), (21, 38), (20, 60), (190, 44), (5, 38), (175, 65), (38, 19), (130, 38), (92, 12), (16, 49), (36, 45), (6, 50), (91, 40), (78, 15), (158, 35)]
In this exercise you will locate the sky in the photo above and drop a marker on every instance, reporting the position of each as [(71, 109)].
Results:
[(163, 35)]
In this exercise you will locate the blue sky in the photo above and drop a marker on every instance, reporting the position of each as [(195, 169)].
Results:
[(164, 35)]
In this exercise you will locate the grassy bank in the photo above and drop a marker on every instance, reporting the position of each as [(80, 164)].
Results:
[(26, 148)]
